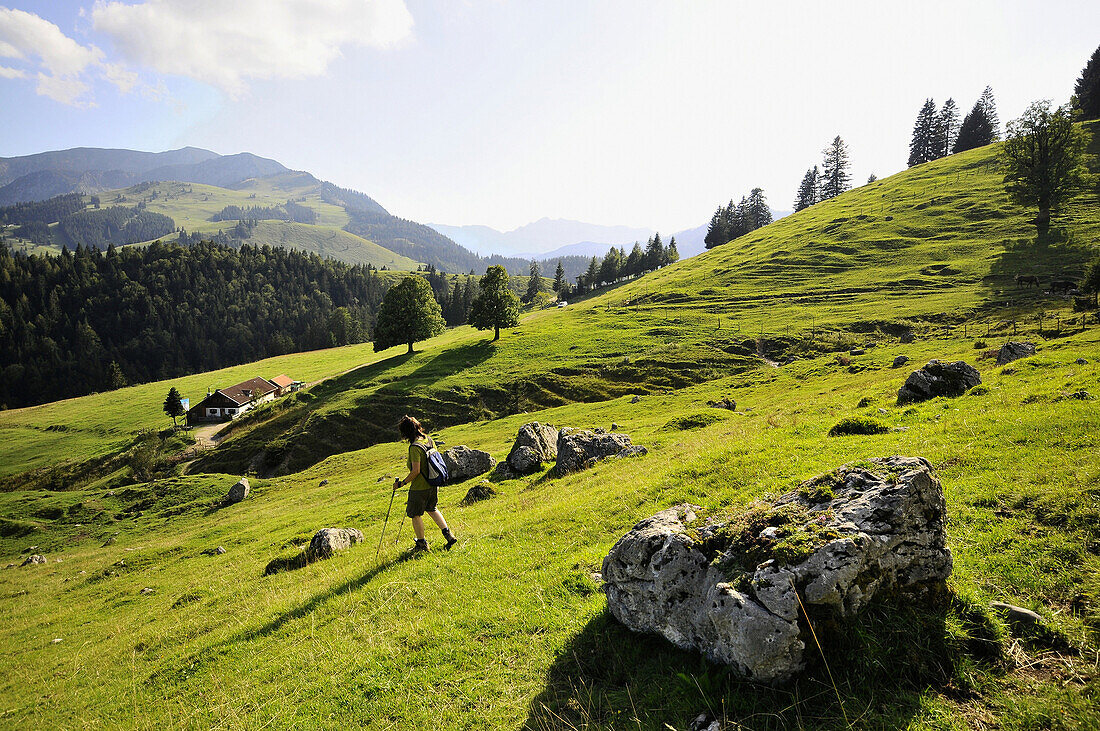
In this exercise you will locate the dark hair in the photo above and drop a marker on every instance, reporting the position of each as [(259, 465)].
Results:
[(410, 428)]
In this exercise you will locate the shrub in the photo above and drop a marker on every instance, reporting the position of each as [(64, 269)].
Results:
[(693, 421), (866, 401), (858, 425), (979, 344), (979, 390), (843, 360)]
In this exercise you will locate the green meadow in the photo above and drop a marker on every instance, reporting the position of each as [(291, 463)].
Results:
[(136, 621)]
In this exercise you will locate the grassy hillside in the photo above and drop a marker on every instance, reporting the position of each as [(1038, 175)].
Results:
[(192, 205), (510, 629)]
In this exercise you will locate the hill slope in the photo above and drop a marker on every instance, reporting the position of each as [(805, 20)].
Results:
[(510, 629)]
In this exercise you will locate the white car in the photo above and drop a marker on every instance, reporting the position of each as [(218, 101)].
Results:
[(562, 304)]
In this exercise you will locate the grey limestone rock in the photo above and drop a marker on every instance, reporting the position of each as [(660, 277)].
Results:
[(327, 541), (700, 582), (1081, 361), (900, 361), (723, 403), (579, 449), (34, 559), (1014, 351), (635, 399), (938, 378), (535, 443), (1017, 617), (238, 492), (464, 463)]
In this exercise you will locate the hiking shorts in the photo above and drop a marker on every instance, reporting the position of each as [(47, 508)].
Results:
[(421, 501)]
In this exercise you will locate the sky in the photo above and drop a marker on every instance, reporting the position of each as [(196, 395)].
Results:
[(500, 112)]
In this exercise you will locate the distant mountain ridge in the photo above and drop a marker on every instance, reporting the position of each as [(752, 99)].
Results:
[(543, 238), (93, 170)]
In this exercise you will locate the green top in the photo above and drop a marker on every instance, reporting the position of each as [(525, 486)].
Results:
[(417, 453)]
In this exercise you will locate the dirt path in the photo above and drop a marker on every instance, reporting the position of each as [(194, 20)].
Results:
[(209, 435)]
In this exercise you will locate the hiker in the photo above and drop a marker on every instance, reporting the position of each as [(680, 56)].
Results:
[(422, 496)]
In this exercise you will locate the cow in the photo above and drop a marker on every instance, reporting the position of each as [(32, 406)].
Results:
[(1027, 280)]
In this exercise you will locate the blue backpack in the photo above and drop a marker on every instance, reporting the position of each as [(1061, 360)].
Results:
[(436, 473)]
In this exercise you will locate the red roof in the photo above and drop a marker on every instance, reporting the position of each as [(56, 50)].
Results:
[(248, 390), (282, 380)]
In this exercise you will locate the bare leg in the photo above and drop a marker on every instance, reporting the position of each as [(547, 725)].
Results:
[(438, 518), (418, 526)]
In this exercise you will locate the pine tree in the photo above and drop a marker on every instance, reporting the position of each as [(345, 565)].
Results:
[(922, 146), (835, 174), (717, 233), (980, 127), (1086, 92), (496, 306), (534, 282), (947, 128), (654, 253), (173, 406), (559, 277), (871, 178), (408, 314), (807, 190), (635, 259), (757, 213), (673, 254), (115, 378), (611, 267)]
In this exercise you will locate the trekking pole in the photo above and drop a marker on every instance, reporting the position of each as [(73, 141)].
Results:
[(381, 537)]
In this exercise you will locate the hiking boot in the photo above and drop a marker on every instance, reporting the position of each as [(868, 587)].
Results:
[(451, 540), (421, 546)]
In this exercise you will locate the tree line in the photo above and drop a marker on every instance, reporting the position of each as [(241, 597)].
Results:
[(938, 133), (735, 221), (90, 320), (289, 211), (617, 265)]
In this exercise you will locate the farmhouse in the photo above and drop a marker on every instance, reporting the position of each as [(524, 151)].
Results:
[(285, 384), (229, 403)]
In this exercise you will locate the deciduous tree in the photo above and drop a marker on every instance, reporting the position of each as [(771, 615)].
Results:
[(408, 314), (1043, 159), (496, 306)]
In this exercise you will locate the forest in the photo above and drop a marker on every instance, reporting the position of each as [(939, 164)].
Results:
[(89, 320)]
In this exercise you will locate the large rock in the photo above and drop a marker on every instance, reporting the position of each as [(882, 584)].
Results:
[(579, 449), (327, 541), (464, 463), (535, 443), (1014, 351), (725, 585), (939, 379), (238, 492)]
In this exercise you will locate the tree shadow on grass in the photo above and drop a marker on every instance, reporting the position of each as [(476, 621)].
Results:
[(881, 663)]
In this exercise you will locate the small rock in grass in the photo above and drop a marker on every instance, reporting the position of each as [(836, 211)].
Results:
[(108, 542), (30, 549), (327, 541), (615, 427), (939, 378), (636, 399), (219, 550), (55, 640), (1081, 361), (481, 491), (900, 361), (1014, 351), (146, 590), (883, 411), (1081, 395), (323, 483), (238, 492), (34, 559), (857, 351), (10, 566), (1017, 616), (907, 337)]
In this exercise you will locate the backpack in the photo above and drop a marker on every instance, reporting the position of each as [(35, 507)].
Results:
[(436, 472)]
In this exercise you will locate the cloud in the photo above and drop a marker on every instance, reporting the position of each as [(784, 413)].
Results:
[(62, 64), (227, 44)]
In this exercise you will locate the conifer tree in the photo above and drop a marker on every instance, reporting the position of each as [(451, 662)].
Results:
[(559, 277), (173, 406), (807, 190), (717, 233), (534, 282), (981, 126), (757, 213), (989, 109), (634, 260), (408, 314), (1086, 92), (611, 266), (922, 146), (947, 128), (496, 306), (835, 173), (871, 178), (654, 253), (673, 254)]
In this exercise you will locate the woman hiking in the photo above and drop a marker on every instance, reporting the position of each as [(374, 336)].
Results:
[(422, 496)]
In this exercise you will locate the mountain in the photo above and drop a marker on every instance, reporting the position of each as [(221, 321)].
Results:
[(543, 238), (85, 159)]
